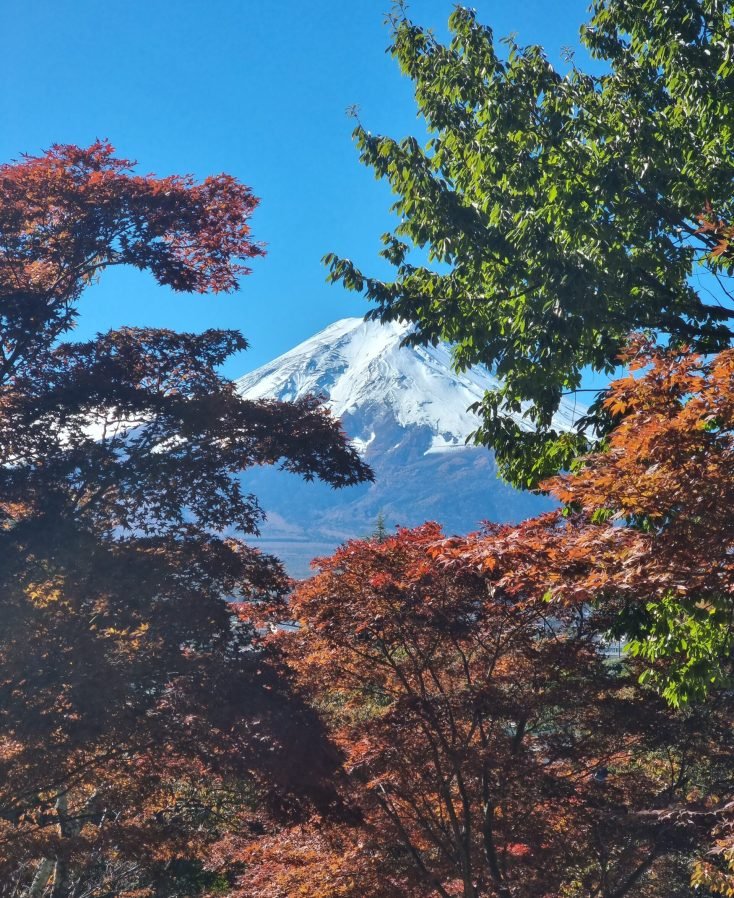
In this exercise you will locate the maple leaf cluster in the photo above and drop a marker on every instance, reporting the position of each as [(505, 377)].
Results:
[(647, 534), (140, 717), (70, 213)]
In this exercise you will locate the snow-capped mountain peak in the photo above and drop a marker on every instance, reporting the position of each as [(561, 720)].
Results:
[(360, 366)]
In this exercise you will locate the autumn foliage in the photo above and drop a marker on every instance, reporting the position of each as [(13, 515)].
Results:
[(70, 213), (648, 531), (491, 745), (139, 718), (490, 749), (452, 717)]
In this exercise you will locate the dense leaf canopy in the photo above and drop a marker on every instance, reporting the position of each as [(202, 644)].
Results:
[(139, 715), (647, 535), (72, 212), (560, 212), (489, 747)]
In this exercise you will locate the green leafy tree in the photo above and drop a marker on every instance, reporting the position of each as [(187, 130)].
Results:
[(380, 531), (556, 213)]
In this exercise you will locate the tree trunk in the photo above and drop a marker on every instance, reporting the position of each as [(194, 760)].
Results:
[(40, 880), (491, 854), (61, 870), (61, 880)]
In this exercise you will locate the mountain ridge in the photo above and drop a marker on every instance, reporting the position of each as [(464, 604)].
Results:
[(406, 411)]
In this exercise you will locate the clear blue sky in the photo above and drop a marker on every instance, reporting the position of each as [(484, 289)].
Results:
[(255, 88)]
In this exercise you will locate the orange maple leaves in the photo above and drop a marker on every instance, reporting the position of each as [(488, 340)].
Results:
[(73, 210), (486, 744), (649, 515)]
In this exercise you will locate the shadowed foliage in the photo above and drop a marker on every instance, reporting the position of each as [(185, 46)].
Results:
[(139, 715)]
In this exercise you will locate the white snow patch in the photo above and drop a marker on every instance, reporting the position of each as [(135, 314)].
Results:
[(358, 365), (363, 445)]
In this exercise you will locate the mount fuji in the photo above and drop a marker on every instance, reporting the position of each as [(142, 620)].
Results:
[(405, 410)]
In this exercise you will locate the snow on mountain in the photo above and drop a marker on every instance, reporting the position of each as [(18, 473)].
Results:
[(405, 410), (358, 364)]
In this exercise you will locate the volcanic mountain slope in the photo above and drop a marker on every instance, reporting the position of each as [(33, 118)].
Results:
[(406, 411)]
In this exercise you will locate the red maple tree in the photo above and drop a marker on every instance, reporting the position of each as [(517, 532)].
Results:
[(139, 717), (489, 748)]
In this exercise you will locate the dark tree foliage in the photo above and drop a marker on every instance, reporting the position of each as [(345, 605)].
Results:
[(139, 716), (560, 212)]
